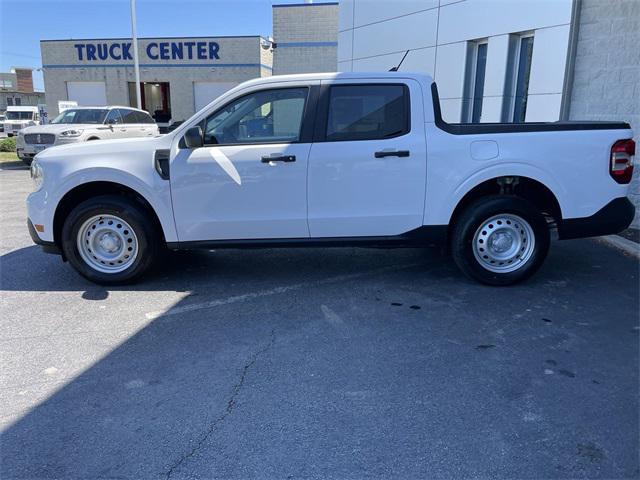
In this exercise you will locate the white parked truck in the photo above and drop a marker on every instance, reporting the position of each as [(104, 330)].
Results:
[(17, 118), (333, 160), (81, 124)]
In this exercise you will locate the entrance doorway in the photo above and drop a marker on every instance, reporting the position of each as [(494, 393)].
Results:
[(155, 97)]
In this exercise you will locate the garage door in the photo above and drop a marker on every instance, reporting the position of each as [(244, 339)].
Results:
[(205, 92), (87, 93)]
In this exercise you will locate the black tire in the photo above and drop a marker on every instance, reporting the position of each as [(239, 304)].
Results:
[(467, 225), (26, 160), (148, 238)]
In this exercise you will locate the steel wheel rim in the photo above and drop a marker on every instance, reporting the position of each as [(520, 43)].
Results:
[(503, 243), (107, 243)]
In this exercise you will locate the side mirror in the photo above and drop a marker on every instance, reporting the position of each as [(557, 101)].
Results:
[(193, 138)]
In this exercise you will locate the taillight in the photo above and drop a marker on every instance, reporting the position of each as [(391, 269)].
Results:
[(621, 164)]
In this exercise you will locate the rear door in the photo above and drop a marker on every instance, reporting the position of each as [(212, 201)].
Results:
[(130, 126), (148, 127), (367, 166), (249, 180)]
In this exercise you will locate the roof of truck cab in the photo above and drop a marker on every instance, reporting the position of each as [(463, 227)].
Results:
[(342, 76)]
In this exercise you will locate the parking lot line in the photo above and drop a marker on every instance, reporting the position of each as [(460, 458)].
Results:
[(273, 291)]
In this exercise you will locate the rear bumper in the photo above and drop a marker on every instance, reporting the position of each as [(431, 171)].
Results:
[(47, 247), (614, 217)]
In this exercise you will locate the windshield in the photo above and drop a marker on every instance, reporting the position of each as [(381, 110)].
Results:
[(81, 115), (19, 115)]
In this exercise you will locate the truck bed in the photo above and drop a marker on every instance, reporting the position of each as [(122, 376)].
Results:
[(480, 128)]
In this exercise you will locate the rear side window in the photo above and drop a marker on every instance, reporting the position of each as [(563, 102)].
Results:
[(143, 117), (128, 116), (367, 112)]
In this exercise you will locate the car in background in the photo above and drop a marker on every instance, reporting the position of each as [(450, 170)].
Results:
[(18, 118), (80, 124), (2, 119)]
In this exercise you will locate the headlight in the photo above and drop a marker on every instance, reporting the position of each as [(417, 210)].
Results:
[(37, 175), (71, 133)]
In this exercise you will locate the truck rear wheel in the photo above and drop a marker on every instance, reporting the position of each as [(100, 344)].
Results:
[(110, 240), (500, 240)]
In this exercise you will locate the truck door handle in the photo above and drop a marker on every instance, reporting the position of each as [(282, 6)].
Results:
[(392, 153), (278, 158)]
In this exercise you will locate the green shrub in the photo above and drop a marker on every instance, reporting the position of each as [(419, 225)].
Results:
[(8, 144)]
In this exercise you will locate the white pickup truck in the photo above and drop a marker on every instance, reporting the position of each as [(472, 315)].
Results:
[(333, 160)]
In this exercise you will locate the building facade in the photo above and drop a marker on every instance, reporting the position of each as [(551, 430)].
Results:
[(484, 54), (16, 89), (305, 37), (178, 75)]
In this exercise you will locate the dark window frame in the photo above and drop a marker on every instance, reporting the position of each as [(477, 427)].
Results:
[(322, 115), (307, 121)]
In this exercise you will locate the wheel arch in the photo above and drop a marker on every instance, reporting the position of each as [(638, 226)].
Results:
[(85, 191), (530, 189)]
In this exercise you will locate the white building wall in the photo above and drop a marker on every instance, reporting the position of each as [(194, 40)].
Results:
[(375, 34)]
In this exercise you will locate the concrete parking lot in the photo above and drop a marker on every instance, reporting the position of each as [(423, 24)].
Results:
[(329, 363)]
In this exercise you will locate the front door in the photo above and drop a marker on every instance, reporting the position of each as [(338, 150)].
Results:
[(249, 179), (367, 169)]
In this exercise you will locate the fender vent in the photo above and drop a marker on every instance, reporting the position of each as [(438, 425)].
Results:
[(162, 163)]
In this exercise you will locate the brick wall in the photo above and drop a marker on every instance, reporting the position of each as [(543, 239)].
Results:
[(24, 79), (606, 82), (307, 37)]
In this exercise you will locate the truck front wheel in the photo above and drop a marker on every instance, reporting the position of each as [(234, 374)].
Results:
[(110, 240), (500, 240)]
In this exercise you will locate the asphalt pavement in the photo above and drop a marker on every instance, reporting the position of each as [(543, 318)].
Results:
[(316, 363)]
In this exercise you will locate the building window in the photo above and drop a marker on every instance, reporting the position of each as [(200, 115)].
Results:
[(17, 101), (10, 101), (478, 84), (474, 80), (6, 84), (524, 54)]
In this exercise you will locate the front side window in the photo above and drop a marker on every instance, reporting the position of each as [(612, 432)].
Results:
[(81, 115), (367, 112), (267, 116)]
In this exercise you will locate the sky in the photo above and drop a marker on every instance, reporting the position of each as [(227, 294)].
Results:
[(23, 23)]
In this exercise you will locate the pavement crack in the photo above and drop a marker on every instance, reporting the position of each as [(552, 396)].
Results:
[(231, 404)]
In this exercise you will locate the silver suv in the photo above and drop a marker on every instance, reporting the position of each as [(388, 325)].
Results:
[(80, 124)]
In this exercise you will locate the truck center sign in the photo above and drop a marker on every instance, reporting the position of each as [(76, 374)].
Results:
[(185, 50)]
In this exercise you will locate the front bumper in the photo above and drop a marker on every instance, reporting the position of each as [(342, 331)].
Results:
[(614, 217), (48, 247)]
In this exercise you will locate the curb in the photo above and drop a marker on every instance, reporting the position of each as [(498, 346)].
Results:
[(620, 243)]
